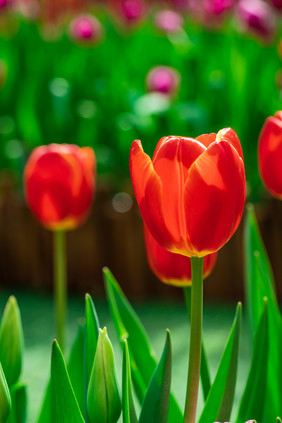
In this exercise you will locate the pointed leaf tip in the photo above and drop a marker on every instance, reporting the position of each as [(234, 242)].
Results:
[(103, 400), (11, 341)]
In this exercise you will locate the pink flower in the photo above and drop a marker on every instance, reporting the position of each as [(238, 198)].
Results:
[(85, 28), (168, 21), (257, 16), (163, 79), (132, 9)]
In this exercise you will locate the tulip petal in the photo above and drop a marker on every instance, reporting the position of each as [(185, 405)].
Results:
[(270, 154), (229, 135), (172, 163), (206, 139), (214, 197), (148, 192)]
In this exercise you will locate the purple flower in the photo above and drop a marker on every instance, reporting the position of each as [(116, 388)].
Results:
[(163, 79), (85, 28), (258, 16), (168, 21)]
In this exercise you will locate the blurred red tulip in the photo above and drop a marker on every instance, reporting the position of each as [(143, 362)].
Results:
[(171, 268), (192, 194), (270, 154), (59, 182), (163, 79), (86, 29)]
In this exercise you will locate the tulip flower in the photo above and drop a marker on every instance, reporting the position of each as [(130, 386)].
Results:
[(163, 79), (168, 21), (59, 185), (270, 154), (192, 194), (171, 268), (258, 17), (86, 28), (191, 197)]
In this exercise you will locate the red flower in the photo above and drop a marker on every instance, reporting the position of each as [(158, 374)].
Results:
[(192, 194), (270, 154), (171, 268), (59, 184)]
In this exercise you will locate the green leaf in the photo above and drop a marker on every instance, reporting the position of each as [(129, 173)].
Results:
[(278, 420), (19, 404), (65, 408), (253, 399), (156, 401), (5, 398), (92, 333), (260, 284), (142, 357), (76, 371), (220, 399), (128, 409), (103, 400), (45, 413), (259, 277), (76, 367), (11, 341)]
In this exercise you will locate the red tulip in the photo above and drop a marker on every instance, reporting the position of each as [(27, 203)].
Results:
[(59, 184), (171, 268), (192, 194), (270, 154)]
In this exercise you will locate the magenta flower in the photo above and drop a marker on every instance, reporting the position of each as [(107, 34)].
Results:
[(168, 21), (163, 79), (277, 4), (132, 10), (258, 17), (86, 28), (217, 7)]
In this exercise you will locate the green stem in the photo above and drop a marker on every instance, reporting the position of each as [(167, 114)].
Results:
[(195, 340), (60, 285), (205, 374)]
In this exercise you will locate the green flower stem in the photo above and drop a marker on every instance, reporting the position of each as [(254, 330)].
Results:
[(205, 374), (60, 287), (195, 340)]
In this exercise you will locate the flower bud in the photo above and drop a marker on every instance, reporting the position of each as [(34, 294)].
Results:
[(168, 21), (85, 28), (163, 79)]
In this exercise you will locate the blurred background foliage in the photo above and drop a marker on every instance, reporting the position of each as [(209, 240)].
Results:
[(88, 84), (103, 73)]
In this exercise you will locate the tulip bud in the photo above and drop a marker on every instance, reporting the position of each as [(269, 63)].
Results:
[(258, 17), (132, 10), (163, 79), (85, 28), (170, 268), (168, 21), (270, 154), (59, 182)]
